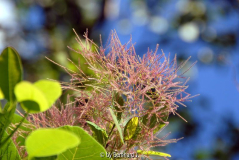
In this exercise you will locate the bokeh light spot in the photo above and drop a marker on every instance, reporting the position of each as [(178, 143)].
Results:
[(205, 55), (140, 17), (189, 32), (90, 9), (158, 25), (196, 8), (7, 16)]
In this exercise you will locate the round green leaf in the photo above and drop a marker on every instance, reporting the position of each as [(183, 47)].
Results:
[(37, 97), (51, 90), (25, 91), (49, 142), (89, 148), (11, 72), (130, 128)]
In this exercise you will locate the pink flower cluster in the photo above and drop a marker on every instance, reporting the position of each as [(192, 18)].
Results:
[(147, 87)]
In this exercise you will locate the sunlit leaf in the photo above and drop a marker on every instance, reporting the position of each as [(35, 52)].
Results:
[(26, 92), (153, 153), (50, 142), (37, 97), (51, 90), (130, 128), (89, 148), (11, 72)]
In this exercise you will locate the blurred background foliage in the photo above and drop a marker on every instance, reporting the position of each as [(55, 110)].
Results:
[(208, 31)]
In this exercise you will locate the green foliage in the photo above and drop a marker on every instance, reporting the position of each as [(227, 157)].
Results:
[(36, 97), (89, 148), (117, 125), (153, 153), (6, 118), (120, 101), (98, 133), (45, 158), (50, 142), (154, 120), (11, 72), (130, 128), (8, 151), (51, 90), (69, 142)]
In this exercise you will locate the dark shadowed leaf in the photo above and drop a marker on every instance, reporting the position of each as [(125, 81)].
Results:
[(9, 151), (11, 72), (98, 133)]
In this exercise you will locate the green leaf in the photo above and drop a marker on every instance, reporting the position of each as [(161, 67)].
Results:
[(154, 120), (117, 124), (51, 90), (89, 148), (9, 151), (153, 153), (98, 133), (162, 124), (50, 142), (120, 101), (37, 97), (130, 128), (6, 117), (25, 92), (159, 127), (45, 158), (11, 72)]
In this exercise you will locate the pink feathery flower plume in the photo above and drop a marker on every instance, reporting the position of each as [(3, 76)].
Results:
[(147, 87)]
